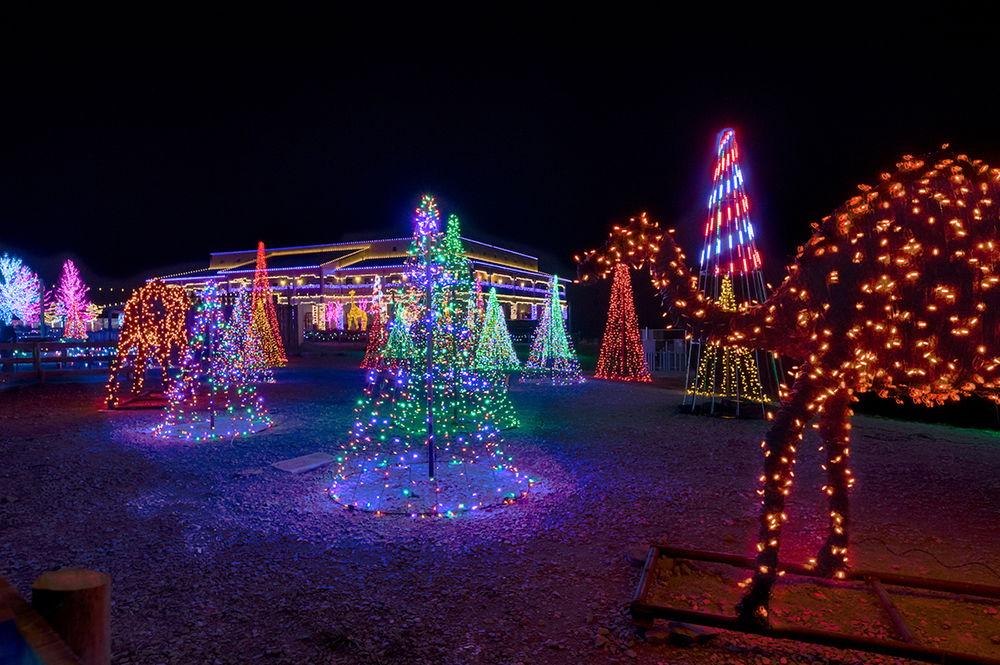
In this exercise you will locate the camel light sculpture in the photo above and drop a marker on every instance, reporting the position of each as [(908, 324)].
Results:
[(896, 291)]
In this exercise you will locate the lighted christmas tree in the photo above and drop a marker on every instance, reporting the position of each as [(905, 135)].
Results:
[(241, 327), (377, 336), (152, 338), (399, 346), (71, 302), (552, 356), (20, 292), (212, 397), (475, 313), (720, 382), (426, 437), (622, 357), (495, 351), (739, 378), (265, 318)]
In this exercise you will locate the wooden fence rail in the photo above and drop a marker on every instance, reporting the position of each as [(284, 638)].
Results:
[(44, 359)]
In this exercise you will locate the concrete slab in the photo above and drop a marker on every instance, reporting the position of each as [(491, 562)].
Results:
[(304, 463)]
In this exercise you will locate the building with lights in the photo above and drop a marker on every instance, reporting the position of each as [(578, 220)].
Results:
[(318, 277)]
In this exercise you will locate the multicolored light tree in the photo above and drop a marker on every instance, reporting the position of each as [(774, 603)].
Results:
[(399, 345), (716, 378), (71, 302), (212, 397), (896, 292), (20, 291), (622, 357), (241, 327), (495, 351), (153, 334), (552, 356), (265, 319), (426, 437)]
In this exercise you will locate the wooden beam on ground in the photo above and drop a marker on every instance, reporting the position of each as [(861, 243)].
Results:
[(45, 644), (76, 603)]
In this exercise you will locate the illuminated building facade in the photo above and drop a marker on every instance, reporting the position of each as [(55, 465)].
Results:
[(331, 277)]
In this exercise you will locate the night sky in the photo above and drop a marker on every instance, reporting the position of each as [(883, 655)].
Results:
[(140, 151)]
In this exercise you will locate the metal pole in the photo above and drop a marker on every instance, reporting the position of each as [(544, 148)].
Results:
[(429, 382)]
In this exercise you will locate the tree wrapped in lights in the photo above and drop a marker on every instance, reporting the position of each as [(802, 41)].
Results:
[(552, 356), (212, 397), (251, 349), (495, 351), (265, 319), (426, 437), (475, 313), (377, 334), (153, 334), (71, 302), (399, 345), (20, 291), (622, 357), (728, 372), (895, 292), (730, 381)]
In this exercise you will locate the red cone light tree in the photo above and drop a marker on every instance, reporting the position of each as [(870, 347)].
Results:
[(622, 357), (265, 320)]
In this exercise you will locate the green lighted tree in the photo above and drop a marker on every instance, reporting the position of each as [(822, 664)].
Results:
[(495, 351), (552, 356)]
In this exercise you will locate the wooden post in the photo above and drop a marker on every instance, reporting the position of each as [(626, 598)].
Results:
[(76, 603), (36, 357)]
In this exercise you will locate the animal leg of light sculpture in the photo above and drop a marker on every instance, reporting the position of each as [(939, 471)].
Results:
[(780, 446), (835, 429)]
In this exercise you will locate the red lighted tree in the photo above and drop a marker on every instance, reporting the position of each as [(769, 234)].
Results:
[(377, 333), (622, 357), (895, 292), (265, 320)]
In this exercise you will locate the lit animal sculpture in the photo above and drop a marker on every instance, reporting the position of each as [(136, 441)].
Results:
[(154, 331), (356, 317), (896, 292)]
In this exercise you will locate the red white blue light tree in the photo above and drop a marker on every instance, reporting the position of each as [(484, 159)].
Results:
[(730, 380), (212, 397), (71, 302), (622, 357)]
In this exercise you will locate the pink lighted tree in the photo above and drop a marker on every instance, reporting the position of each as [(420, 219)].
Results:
[(72, 302)]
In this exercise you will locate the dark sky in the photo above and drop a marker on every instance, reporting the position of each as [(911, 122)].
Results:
[(135, 150)]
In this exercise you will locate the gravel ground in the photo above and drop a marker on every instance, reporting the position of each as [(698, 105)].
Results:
[(216, 557)]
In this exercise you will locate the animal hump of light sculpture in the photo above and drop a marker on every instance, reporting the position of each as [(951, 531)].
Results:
[(896, 291)]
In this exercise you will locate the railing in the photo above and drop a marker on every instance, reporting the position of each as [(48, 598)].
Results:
[(40, 359)]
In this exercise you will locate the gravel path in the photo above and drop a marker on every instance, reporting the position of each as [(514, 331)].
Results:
[(215, 557)]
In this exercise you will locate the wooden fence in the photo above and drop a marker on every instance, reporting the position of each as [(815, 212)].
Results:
[(38, 360)]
